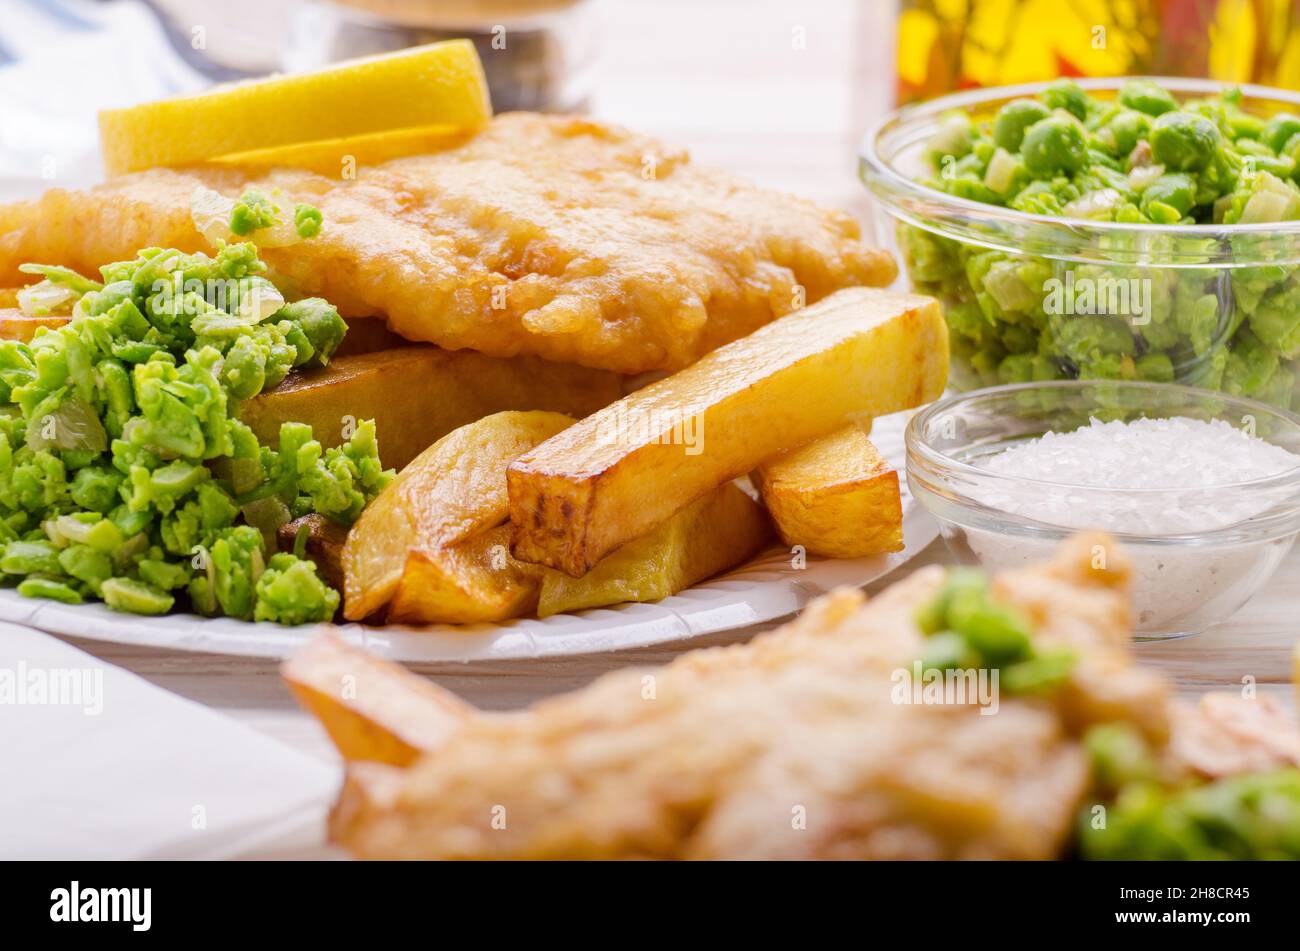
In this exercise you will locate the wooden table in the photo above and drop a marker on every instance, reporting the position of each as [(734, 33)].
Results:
[(779, 92)]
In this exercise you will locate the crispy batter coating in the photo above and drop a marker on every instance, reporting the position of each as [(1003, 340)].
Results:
[(792, 746), (562, 237)]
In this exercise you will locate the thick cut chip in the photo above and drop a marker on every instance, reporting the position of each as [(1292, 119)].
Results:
[(622, 471), (406, 547), (372, 710), (715, 533), (418, 394), (836, 496), (476, 581), (557, 236), (440, 85)]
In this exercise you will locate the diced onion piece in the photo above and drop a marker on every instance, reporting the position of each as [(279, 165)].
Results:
[(266, 515), (72, 529), (133, 546), (260, 302), (1144, 175), (1273, 200), (74, 425), (210, 211), (1093, 204), (44, 298), (1001, 171)]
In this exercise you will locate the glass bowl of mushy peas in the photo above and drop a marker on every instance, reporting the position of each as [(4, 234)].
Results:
[(1109, 229)]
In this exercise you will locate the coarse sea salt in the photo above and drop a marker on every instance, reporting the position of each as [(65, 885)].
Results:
[(1146, 477), (1190, 460)]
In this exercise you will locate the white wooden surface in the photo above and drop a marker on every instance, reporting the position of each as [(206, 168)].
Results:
[(778, 91)]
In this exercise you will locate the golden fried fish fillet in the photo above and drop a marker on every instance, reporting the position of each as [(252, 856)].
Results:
[(563, 237), (792, 746)]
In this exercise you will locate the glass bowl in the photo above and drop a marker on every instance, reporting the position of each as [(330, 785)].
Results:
[(1034, 297), (1226, 541)]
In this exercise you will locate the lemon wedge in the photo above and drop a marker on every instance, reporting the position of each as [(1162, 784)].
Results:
[(339, 158), (439, 86)]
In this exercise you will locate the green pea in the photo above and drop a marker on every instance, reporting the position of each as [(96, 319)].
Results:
[(176, 478), (30, 557), (253, 212), (1014, 118), (1054, 145), (997, 631), (947, 650), (1038, 674), (1066, 94), (1174, 189), (1161, 214), (932, 616), (1184, 142), (307, 221), (95, 488), (972, 190), (1147, 97), (86, 564), (952, 138), (321, 322), (164, 575), (1127, 129), (135, 597), (1119, 754), (1156, 367), (244, 370), (1278, 131), (39, 586), (290, 592)]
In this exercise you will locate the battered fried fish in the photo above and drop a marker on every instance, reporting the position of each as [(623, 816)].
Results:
[(793, 746), (562, 237)]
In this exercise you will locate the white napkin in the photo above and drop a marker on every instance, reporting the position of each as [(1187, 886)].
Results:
[(96, 763)]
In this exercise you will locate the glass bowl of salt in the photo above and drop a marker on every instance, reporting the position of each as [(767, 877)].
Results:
[(1201, 488)]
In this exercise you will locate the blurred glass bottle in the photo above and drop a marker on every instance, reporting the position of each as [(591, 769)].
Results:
[(537, 54), (956, 44)]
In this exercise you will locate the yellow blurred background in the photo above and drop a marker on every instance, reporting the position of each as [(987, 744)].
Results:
[(955, 44)]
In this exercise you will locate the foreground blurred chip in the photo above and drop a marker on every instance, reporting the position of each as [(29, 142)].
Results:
[(372, 710)]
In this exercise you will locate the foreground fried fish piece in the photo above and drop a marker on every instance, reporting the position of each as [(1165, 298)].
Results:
[(562, 237), (792, 746)]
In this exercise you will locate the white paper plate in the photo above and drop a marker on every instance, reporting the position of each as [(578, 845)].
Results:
[(766, 589)]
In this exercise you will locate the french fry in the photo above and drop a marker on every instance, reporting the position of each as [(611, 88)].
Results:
[(710, 535), (406, 547), (15, 325), (372, 710), (418, 394), (620, 472), (476, 581), (836, 496)]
